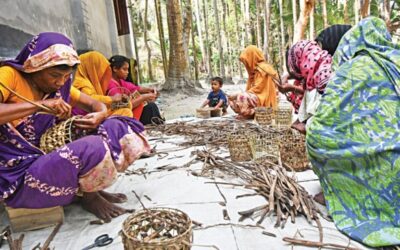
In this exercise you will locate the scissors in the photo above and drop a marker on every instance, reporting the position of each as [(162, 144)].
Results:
[(100, 241)]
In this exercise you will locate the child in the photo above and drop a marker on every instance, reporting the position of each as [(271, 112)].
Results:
[(216, 98)]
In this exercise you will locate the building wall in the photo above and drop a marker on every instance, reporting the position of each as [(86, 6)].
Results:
[(89, 23)]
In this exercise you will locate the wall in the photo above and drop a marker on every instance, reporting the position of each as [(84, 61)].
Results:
[(89, 23)]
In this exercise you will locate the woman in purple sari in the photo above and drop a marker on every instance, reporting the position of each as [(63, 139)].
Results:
[(29, 178)]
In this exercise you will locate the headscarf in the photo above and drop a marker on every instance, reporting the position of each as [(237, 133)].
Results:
[(330, 37), (43, 51), (306, 60), (92, 68), (254, 61)]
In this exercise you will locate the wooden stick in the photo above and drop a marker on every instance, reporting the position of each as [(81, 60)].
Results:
[(51, 236), (309, 243)]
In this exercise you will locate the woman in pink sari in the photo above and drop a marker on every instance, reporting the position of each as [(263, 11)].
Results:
[(143, 106)]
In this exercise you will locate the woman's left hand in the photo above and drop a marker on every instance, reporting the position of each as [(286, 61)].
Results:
[(91, 120)]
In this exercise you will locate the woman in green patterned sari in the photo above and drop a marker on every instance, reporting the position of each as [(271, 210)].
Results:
[(354, 140)]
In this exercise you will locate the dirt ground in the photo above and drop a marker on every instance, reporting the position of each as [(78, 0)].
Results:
[(179, 105)]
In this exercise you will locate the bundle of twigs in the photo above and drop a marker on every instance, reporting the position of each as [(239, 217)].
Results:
[(285, 197)]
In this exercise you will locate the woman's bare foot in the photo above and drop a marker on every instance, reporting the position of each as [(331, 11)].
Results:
[(114, 198), (99, 206), (299, 126), (320, 198)]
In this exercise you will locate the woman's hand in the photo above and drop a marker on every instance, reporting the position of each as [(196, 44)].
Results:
[(232, 97), (91, 120), (117, 98), (285, 87), (150, 97), (61, 108)]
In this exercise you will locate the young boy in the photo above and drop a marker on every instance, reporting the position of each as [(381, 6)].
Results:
[(216, 98)]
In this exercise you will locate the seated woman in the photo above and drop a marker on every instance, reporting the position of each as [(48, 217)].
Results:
[(311, 67), (353, 140), (29, 178), (92, 78), (260, 89), (143, 107)]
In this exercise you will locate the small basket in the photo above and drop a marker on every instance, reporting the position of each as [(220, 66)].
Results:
[(60, 134), (126, 98), (265, 148), (216, 112), (203, 113), (263, 116), (293, 150), (239, 147), (283, 117), (157, 229)]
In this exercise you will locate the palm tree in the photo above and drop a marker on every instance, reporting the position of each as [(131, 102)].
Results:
[(161, 36), (146, 42), (220, 49)]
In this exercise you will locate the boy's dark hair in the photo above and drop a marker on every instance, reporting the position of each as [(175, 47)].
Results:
[(118, 61), (218, 79)]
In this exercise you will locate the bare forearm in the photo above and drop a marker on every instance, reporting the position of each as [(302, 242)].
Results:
[(136, 102), (219, 104), (12, 112)]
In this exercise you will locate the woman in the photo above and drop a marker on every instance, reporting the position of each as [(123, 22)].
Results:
[(29, 178), (143, 107), (92, 78), (311, 67), (353, 140), (329, 38), (260, 88)]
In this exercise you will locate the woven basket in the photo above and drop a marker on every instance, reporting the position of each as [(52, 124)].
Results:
[(239, 147), (157, 229), (263, 116), (216, 112), (126, 98), (283, 116), (59, 135), (293, 150), (203, 113), (265, 148)]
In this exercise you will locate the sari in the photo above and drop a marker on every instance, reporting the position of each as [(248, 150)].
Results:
[(29, 178), (307, 62), (260, 88), (353, 140), (92, 78)]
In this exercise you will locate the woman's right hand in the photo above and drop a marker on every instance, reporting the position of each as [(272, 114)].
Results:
[(150, 97), (61, 109), (116, 98)]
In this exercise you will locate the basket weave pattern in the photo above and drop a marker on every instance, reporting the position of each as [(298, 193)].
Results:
[(264, 116), (293, 150), (239, 147), (283, 117), (157, 229)]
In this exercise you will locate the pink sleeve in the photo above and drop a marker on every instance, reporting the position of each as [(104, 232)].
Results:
[(112, 90), (130, 86)]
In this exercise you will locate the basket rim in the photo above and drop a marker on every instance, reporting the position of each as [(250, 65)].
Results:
[(172, 240)]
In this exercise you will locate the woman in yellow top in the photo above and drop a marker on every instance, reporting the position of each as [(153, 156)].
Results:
[(260, 89), (92, 78), (31, 178)]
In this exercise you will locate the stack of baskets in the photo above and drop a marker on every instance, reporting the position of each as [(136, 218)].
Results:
[(60, 134), (157, 229), (264, 116), (239, 146)]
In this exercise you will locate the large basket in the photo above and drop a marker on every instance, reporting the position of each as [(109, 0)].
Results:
[(283, 117), (59, 135), (265, 148), (293, 150), (239, 147), (203, 113), (263, 116), (157, 229)]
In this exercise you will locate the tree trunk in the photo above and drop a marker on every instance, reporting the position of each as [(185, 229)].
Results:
[(161, 37), (208, 47), (312, 26), (267, 21), (306, 7), (324, 14), (356, 10), (246, 29), (259, 33), (365, 9), (294, 11), (150, 71), (239, 41), (200, 34), (282, 35), (226, 40), (345, 12), (247, 22), (139, 77), (220, 49), (178, 74), (196, 66)]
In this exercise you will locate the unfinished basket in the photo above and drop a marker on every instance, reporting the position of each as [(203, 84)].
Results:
[(126, 98), (263, 116), (59, 135), (283, 117), (216, 112), (293, 150), (157, 229), (203, 113), (265, 148), (239, 147)]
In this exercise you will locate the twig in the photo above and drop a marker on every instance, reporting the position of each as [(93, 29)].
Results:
[(308, 243), (228, 224), (138, 198), (51, 236)]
